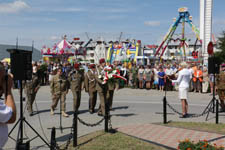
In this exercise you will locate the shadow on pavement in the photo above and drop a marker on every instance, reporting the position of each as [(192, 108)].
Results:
[(80, 112), (124, 115), (120, 107), (63, 138)]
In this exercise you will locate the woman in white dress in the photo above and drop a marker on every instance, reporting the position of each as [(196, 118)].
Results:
[(184, 77)]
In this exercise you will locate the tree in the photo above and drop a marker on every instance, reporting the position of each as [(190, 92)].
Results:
[(221, 45)]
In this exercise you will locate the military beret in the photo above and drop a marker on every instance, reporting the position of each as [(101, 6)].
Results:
[(76, 66), (111, 66), (92, 66), (102, 60)]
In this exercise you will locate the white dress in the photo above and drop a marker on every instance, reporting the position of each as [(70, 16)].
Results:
[(184, 77)]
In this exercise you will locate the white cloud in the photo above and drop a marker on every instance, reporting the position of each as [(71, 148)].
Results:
[(13, 7), (152, 23)]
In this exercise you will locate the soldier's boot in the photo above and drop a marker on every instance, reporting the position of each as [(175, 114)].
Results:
[(30, 111), (52, 111), (65, 114)]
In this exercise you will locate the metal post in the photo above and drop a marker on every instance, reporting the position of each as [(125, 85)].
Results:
[(164, 110), (75, 129), (217, 111), (21, 111), (52, 146), (214, 84), (106, 117), (183, 37)]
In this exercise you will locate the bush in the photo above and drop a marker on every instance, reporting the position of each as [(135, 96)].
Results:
[(201, 145)]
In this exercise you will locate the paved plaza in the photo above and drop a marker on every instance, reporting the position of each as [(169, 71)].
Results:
[(169, 137), (132, 109)]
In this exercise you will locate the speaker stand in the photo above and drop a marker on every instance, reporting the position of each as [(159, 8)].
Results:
[(21, 121)]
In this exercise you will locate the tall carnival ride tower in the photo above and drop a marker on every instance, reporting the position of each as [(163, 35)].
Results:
[(205, 26), (184, 17)]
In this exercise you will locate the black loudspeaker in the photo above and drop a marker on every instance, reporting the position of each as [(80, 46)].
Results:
[(213, 66), (21, 64)]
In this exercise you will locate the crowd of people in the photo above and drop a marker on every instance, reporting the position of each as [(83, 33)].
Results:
[(154, 76), (96, 80)]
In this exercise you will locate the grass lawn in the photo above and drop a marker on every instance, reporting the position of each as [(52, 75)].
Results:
[(118, 141), (208, 127)]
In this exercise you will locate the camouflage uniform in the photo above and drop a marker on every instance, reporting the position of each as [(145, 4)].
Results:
[(90, 87), (76, 79), (31, 88), (220, 83), (102, 89), (59, 88), (109, 96), (134, 71)]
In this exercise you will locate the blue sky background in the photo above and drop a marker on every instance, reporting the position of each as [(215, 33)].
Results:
[(45, 21)]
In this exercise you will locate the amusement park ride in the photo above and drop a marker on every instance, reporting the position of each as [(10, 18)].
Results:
[(184, 17), (64, 50), (124, 51)]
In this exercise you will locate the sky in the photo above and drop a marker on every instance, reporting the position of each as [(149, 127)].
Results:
[(46, 21)]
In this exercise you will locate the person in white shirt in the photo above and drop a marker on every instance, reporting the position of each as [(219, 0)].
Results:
[(7, 107), (184, 77)]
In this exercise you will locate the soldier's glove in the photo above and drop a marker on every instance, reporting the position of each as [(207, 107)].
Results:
[(104, 82)]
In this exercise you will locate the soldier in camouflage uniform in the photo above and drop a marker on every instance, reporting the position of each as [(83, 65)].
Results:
[(59, 88), (31, 89), (101, 86), (220, 83), (112, 85), (90, 87), (76, 78)]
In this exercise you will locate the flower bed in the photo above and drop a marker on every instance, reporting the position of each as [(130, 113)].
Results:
[(201, 145)]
